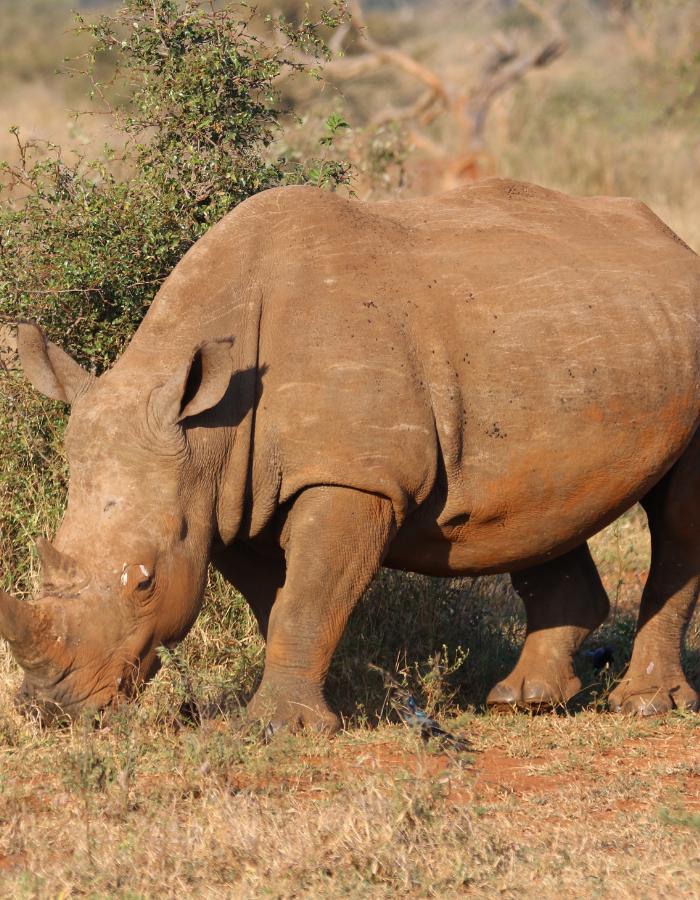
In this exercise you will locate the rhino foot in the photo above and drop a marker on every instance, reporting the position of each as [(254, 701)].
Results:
[(533, 693), (641, 697), (290, 705)]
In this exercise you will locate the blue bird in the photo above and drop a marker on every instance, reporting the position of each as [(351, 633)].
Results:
[(404, 703), (412, 715)]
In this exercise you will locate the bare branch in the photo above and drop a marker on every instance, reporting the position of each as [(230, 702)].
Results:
[(424, 104), (396, 57), (497, 79), (546, 17), (335, 44)]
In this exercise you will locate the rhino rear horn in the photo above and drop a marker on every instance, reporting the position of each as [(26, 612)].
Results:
[(57, 569)]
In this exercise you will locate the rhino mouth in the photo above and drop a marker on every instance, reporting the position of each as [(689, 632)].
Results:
[(61, 704), (69, 670), (62, 701)]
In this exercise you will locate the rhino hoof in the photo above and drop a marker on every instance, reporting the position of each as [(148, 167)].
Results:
[(503, 698), (307, 709), (653, 702), (534, 695), (322, 725), (538, 696)]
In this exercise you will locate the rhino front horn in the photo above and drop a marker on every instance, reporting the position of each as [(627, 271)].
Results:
[(21, 627), (15, 620)]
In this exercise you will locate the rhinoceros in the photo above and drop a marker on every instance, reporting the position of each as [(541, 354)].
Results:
[(466, 384)]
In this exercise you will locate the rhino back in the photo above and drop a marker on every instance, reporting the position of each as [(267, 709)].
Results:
[(526, 361)]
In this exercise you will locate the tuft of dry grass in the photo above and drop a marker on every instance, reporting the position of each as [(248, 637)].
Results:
[(162, 803), (588, 804)]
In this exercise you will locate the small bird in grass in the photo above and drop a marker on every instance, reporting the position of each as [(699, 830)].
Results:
[(405, 705), (412, 715)]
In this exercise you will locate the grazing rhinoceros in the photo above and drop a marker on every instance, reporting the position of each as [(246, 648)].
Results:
[(470, 383)]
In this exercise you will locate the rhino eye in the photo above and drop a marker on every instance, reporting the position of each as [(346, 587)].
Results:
[(146, 581), (137, 578)]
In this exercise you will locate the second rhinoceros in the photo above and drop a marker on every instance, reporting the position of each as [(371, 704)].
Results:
[(472, 383)]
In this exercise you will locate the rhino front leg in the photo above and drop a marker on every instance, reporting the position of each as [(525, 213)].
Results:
[(335, 540), (564, 601), (654, 681)]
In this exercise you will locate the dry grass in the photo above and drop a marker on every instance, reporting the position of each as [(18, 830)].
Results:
[(580, 802), (41, 113), (592, 805), (36, 38)]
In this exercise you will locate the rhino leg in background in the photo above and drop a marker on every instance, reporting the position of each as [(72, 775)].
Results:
[(335, 540), (564, 601), (258, 578), (654, 681)]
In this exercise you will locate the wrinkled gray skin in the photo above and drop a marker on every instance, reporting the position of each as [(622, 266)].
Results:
[(464, 384)]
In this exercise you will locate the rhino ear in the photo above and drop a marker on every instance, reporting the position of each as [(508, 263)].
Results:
[(202, 385), (52, 371)]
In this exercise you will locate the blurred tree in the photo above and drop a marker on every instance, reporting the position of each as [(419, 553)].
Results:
[(443, 118)]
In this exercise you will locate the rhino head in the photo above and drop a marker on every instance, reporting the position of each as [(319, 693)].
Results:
[(126, 571)]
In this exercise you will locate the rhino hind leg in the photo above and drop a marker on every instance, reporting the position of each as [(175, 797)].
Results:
[(335, 540), (654, 681), (564, 601)]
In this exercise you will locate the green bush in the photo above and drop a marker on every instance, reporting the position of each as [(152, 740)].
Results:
[(84, 245)]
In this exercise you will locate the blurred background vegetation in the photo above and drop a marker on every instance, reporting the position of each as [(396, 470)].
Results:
[(616, 112), (396, 98)]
